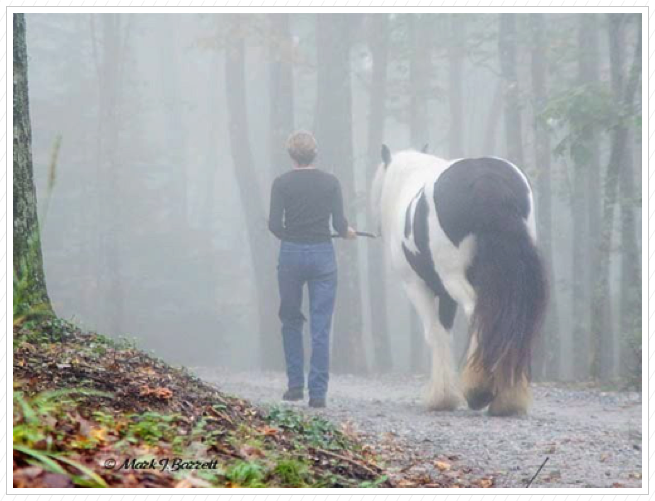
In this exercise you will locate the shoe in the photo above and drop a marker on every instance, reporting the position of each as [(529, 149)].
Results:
[(293, 394), (317, 402)]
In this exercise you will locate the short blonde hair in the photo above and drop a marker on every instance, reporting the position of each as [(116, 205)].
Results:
[(302, 147)]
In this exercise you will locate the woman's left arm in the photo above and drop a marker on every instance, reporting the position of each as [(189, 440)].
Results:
[(276, 212)]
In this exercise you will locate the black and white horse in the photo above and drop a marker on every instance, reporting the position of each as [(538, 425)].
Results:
[(462, 232)]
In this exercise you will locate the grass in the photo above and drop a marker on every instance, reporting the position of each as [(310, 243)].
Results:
[(292, 472), (315, 431)]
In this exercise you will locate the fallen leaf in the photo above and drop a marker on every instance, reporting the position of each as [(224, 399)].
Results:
[(164, 393), (486, 483), (99, 434), (442, 465), (268, 431)]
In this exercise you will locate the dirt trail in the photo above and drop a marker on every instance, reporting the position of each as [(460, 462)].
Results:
[(592, 438)]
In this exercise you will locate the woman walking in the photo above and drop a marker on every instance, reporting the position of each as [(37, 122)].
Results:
[(302, 201)]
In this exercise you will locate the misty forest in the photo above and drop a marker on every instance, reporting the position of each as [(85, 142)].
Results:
[(145, 274)]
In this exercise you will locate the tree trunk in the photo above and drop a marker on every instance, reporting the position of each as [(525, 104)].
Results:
[(507, 47), (493, 120), (578, 279), (280, 91), (379, 46), (28, 259), (418, 131), (630, 286), (602, 339), (334, 135), (418, 80), (549, 367), (175, 132), (589, 164), (262, 250), (456, 52), (212, 147)]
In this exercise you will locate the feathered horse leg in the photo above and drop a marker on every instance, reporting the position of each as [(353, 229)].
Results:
[(443, 391), (476, 382), (512, 399)]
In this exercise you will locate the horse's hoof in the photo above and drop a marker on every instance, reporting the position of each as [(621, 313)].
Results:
[(503, 407), (449, 403), (479, 398), (512, 401)]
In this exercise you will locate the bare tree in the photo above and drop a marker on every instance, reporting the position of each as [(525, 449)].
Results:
[(169, 63), (262, 251), (507, 49), (493, 120), (334, 135), (456, 53), (586, 191), (280, 89), (539, 66), (630, 285), (602, 341), (419, 73), (378, 42)]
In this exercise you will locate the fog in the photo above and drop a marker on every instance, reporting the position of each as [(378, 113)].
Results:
[(153, 178)]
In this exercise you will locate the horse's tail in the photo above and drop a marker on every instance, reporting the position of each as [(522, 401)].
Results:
[(509, 278)]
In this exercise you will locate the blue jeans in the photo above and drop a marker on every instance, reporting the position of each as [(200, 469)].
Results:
[(314, 264)]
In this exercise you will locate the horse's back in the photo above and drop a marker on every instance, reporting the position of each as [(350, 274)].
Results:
[(481, 194), (441, 207)]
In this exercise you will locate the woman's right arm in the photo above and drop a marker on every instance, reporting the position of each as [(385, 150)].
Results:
[(339, 221)]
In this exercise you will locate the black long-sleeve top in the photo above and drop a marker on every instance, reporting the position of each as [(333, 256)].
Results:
[(302, 201)]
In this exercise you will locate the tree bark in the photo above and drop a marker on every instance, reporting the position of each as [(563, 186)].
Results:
[(418, 80), (456, 52), (630, 286), (28, 258), (507, 48), (262, 250), (176, 140), (602, 339), (589, 164), (212, 147), (493, 121), (418, 131), (379, 47), (549, 367), (334, 135), (281, 91)]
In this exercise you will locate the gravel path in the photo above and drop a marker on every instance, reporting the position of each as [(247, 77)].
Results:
[(592, 438)]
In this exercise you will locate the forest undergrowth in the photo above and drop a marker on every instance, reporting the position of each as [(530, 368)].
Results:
[(86, 407)]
